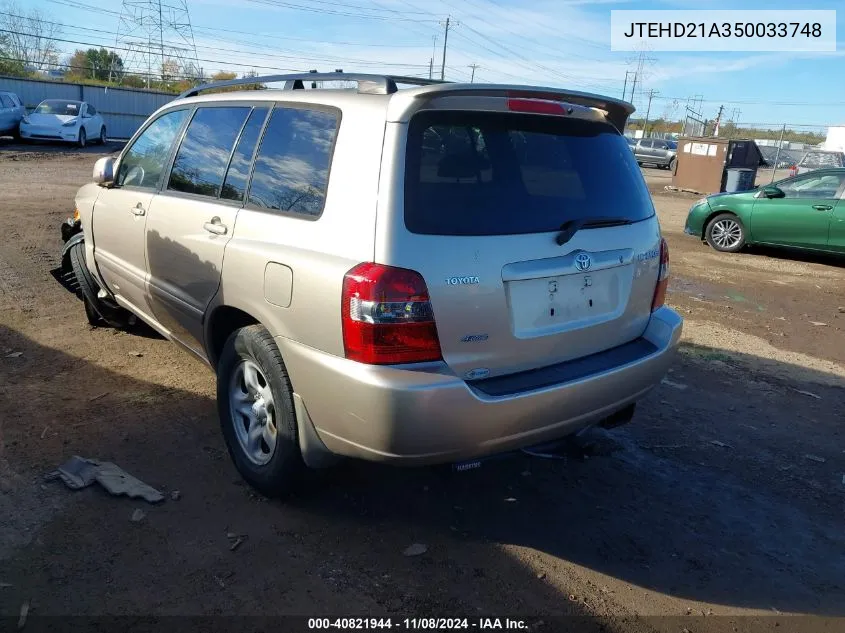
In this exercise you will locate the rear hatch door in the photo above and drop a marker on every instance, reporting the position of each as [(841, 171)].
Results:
[(536, 236)]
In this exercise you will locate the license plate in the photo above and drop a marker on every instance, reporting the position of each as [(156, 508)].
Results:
[(553, 304)]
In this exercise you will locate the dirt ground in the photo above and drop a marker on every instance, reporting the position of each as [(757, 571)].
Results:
[(724, 497)]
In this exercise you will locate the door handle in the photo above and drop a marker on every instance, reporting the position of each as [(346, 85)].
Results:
[(822, 207), (215, 226), (138, 209)]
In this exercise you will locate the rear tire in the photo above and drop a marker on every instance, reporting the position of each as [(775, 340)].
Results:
[(672, 164), (256, 410), (725, 233), (102, 139)]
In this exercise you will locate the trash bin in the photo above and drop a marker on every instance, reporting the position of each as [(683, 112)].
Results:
[(739, 179)]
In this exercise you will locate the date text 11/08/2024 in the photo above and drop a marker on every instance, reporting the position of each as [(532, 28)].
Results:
[(421, 624)]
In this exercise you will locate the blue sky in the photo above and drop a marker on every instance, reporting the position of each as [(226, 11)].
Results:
[(547, 42)]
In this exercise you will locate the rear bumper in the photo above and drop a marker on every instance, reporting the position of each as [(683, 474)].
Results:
[(424, 414)]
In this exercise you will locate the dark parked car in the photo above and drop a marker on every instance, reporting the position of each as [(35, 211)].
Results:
[(656, 151)]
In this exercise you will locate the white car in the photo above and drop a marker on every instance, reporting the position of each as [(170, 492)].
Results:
[(63, 120)]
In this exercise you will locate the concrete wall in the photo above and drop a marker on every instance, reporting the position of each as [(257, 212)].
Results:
[(123, 109)]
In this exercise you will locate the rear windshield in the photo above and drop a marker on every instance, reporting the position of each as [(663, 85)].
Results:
[(54, 106), (487, 173)]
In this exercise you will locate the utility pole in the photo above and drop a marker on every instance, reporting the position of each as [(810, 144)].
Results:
[(472, 77), (777, 154), (625, 86), (447, 25), (161, 39), (433, 53), (633, 87), (717, 121), (651, 94)]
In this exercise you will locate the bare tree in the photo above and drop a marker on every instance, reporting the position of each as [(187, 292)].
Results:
[(29, 36)]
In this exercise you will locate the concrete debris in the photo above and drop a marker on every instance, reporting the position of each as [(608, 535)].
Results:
[(136, 354), (417, 549), (815, 458), (138, 515), (510, 500), (808, 393), (175, 495), (817, 323), (14, 355), (673, 384), (23, 614), (720, 444), (236, 543), (78, 473)]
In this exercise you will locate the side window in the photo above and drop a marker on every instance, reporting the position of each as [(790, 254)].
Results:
[(204, 153), (91, 110), (645, 144), (292, 167), (814, 186), (234, 187), (660, 145), (16, 100), (6, 101), (144, 162)]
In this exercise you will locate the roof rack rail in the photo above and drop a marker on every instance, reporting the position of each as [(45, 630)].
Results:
[(367, 84)]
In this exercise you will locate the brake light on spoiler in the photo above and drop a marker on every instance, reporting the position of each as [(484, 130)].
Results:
[(538, 106)]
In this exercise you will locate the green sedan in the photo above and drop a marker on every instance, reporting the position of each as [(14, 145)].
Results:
[(805, 212)]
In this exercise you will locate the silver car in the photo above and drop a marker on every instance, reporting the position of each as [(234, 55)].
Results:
[(656, 151), (416, 276), (11, 113)]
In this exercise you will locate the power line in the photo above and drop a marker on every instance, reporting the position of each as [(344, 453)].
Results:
[(348, 14), (274, 55)]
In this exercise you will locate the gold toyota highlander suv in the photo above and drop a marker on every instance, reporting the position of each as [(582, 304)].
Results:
[(415, 276)]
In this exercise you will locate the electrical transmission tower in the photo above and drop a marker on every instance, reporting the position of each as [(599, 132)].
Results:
[(155, 38)]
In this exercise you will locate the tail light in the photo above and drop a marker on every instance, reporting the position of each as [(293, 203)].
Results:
[(662, 277), (387, 317)]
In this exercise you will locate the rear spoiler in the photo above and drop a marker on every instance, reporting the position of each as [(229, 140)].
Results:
[(615, 111)]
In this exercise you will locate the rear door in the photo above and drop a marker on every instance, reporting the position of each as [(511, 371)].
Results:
[(193, 218), (802, 217), (485, 197)]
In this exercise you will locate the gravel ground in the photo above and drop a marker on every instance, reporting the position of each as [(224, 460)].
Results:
[(724, 497)]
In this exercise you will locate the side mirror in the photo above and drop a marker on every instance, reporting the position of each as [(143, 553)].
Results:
[(104, 170), (771, 192)]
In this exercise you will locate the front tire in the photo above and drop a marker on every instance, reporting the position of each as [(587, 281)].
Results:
[(83, 138), (97, 310), (257, 415), (725, 233), (102, 139)]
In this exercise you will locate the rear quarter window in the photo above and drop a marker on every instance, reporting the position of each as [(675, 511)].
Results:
[(477, 173), (291, 171)]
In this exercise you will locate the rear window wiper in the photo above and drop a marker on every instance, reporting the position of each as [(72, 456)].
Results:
[(569, 228)]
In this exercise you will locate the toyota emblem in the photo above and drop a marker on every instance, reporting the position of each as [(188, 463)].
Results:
[(583, 262)]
